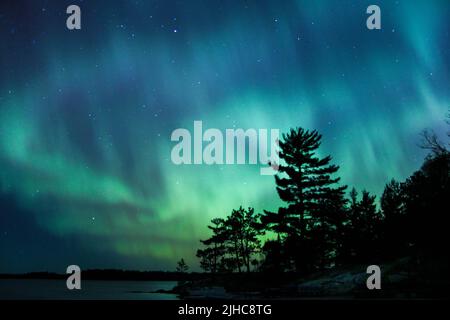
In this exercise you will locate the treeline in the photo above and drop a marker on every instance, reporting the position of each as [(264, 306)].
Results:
[(323, 224)]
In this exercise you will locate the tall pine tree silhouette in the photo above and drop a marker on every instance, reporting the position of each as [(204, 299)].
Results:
[(305, 183)]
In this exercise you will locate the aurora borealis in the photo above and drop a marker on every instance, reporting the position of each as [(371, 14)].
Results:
[(86, 116)]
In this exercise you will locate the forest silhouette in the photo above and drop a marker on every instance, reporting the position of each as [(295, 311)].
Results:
[(325, 226)]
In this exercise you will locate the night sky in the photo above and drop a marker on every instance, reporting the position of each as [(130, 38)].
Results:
[(86, 116)]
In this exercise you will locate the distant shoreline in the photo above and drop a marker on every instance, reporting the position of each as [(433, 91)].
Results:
[(116, 275)]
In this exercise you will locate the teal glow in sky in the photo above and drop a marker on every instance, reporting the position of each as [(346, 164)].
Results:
[(86, 116)]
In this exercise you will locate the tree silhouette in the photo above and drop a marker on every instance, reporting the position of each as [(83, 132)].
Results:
[(212, 257), (234, 242), (394, 210), (243, 228), (426, 201), (305, 183), (361, 243), (182, 267)]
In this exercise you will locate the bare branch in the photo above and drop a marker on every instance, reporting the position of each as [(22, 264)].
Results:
[(431, 142)]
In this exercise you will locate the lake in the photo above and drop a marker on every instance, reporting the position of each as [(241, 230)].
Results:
[(12, 289)]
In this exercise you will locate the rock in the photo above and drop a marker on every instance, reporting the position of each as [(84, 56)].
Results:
[(208, 293), (338, 285)]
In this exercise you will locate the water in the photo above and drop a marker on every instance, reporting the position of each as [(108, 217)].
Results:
[(12, 289)]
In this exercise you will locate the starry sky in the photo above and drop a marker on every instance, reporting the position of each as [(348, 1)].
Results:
[(86, 116)]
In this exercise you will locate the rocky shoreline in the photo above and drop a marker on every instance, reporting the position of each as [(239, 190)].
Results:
[(397, 283)]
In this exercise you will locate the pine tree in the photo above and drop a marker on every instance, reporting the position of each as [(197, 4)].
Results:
[(212, 258), (362, 241), (234, 242), (243, 230), (394, 211), (182, 267), (305, 183)]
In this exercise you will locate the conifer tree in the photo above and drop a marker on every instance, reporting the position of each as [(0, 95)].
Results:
[(305, 183), (212, 258)]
